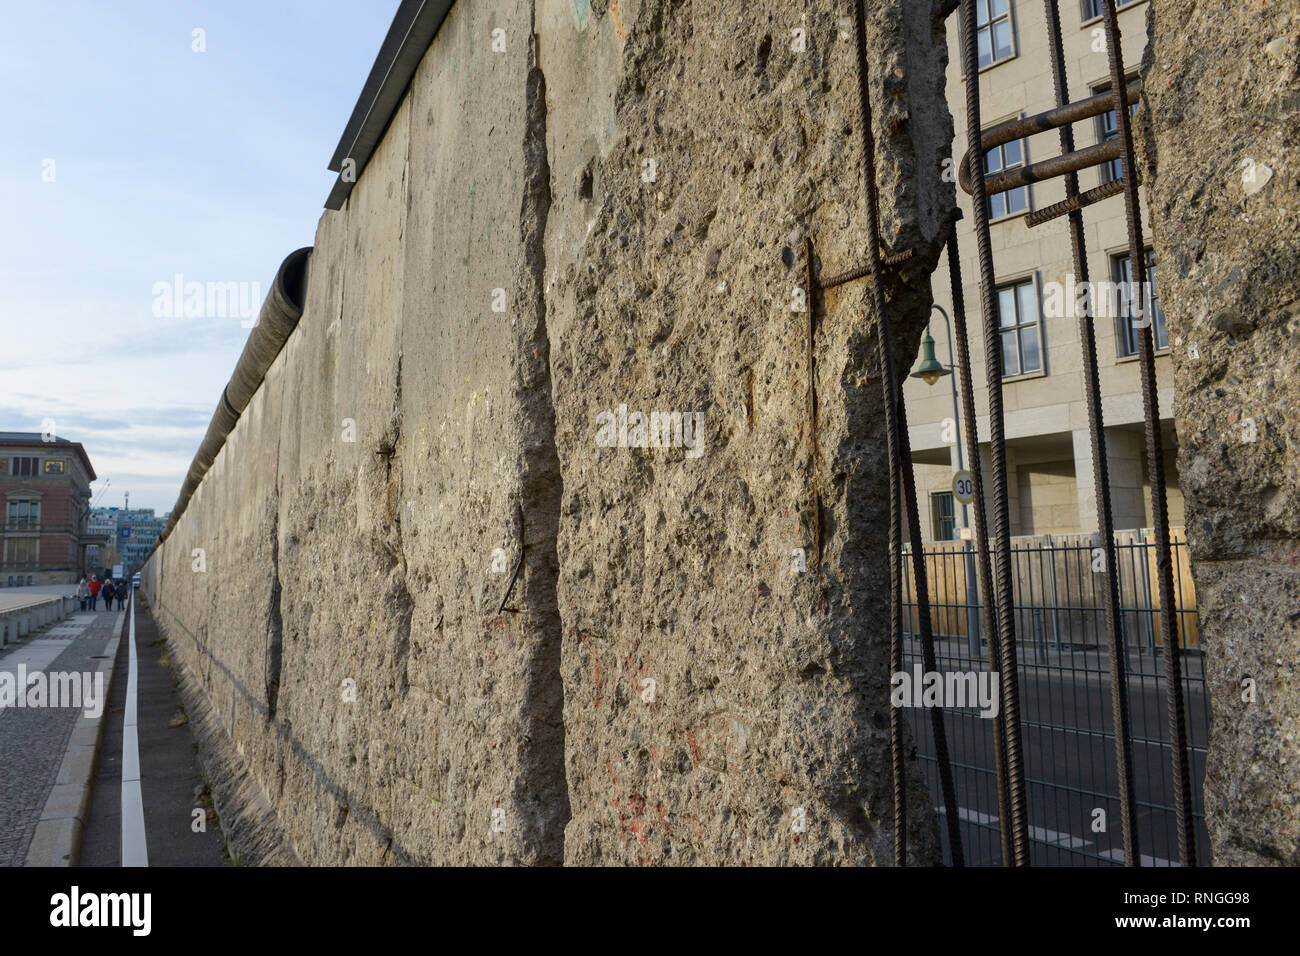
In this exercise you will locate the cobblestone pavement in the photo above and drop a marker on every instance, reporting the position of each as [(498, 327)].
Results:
[(34, 740)]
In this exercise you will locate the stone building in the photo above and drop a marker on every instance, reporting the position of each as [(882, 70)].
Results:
[(45, 494), (1049, 454)]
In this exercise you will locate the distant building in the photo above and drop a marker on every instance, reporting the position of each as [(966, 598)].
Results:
[(132, 533), (45, 501)]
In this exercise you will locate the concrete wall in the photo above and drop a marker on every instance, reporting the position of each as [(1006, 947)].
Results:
[(397, 693), (1223, 155)]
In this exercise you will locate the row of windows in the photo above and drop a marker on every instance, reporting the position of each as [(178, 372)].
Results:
[(996, 33), (1020, 320), (29, 466)]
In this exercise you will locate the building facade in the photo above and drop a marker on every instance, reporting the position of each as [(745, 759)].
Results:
[(132, 532), (45, 496), (1049, 453)]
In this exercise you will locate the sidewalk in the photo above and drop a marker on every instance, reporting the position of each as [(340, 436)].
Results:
[(171, 783), (34, 740)]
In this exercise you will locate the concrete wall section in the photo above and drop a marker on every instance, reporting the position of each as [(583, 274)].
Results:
[(441, 621), (721, 704), (1223, 156)]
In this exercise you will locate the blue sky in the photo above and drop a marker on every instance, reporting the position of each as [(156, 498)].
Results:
[(165, 160)]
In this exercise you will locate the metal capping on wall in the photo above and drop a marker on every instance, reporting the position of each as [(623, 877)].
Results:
[(413, 29), (275, 322)]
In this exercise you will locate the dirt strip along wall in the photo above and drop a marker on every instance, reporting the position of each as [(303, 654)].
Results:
[(691, 663)]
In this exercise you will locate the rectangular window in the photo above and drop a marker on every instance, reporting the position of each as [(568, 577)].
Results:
[(1129, 329), (24, 467), (1018, 322), (24, 513), (21, 550), (993, 19), (941, 516), (1000, 158), (1092, 8), (54, 466), (1108, 129)]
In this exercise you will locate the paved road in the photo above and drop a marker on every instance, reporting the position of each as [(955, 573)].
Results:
[(33, 740), (1069, 759)]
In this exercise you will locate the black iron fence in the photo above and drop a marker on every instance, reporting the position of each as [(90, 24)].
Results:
[(1065, 705)]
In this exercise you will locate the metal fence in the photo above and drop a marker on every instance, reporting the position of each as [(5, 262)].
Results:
[(1065, 702)]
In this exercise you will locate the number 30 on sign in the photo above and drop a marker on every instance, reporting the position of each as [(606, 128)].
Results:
[(963, 487)]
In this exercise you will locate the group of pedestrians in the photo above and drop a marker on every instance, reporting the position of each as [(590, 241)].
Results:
[(91, 591)]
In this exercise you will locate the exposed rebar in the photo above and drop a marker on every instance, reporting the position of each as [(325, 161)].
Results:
[(1005, 600), (1100, 472), (1155, 451), (984, 570)]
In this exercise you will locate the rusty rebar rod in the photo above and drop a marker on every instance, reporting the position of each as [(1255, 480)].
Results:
[(900, 466), (984, 569), (1060, 116), (1076, 201), (1004, 604), (843, 277), (1100, 468), (1155, 451)]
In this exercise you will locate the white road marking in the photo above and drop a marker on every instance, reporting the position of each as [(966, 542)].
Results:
[(134, 850), (1118, 857), (1041, 834)]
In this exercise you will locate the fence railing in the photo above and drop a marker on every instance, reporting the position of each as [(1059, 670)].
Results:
[(1065, 696)]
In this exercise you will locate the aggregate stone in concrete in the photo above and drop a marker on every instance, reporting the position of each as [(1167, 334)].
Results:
[(1220, 120)]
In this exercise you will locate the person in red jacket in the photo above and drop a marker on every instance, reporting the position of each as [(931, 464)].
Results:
[(94, 590)]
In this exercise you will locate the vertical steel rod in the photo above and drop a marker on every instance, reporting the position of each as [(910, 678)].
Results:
[(1155, 451), (1005, 602), (983, 565), (900, 457), (1100, 473), (885, 359)]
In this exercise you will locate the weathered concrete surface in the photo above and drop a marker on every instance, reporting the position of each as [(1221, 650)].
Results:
[(715, 697), (1223, 112), (398, 695)]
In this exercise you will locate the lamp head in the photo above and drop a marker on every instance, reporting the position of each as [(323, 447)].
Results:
[(929, 371)]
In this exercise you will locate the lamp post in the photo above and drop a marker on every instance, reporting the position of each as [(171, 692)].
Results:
[(930, 370)]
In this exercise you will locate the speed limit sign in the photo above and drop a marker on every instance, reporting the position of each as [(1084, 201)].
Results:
[(963, 487)]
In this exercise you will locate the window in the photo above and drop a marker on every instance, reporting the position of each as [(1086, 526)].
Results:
[(993, 19), (941, 519), (24, 513), (21, 550), (24, 467), (999, 158), (1018, 320), (1108, 129), (54, 466), (1092, 8), (1129, 329)]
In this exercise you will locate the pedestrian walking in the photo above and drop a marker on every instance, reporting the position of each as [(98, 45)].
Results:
[(120, 591), (107, 591), (94, 587), (83, 593)]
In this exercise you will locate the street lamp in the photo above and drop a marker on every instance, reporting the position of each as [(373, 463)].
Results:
[(930, 371)]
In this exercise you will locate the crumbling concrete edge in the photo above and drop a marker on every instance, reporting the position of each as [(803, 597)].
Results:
[(57, 840)]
